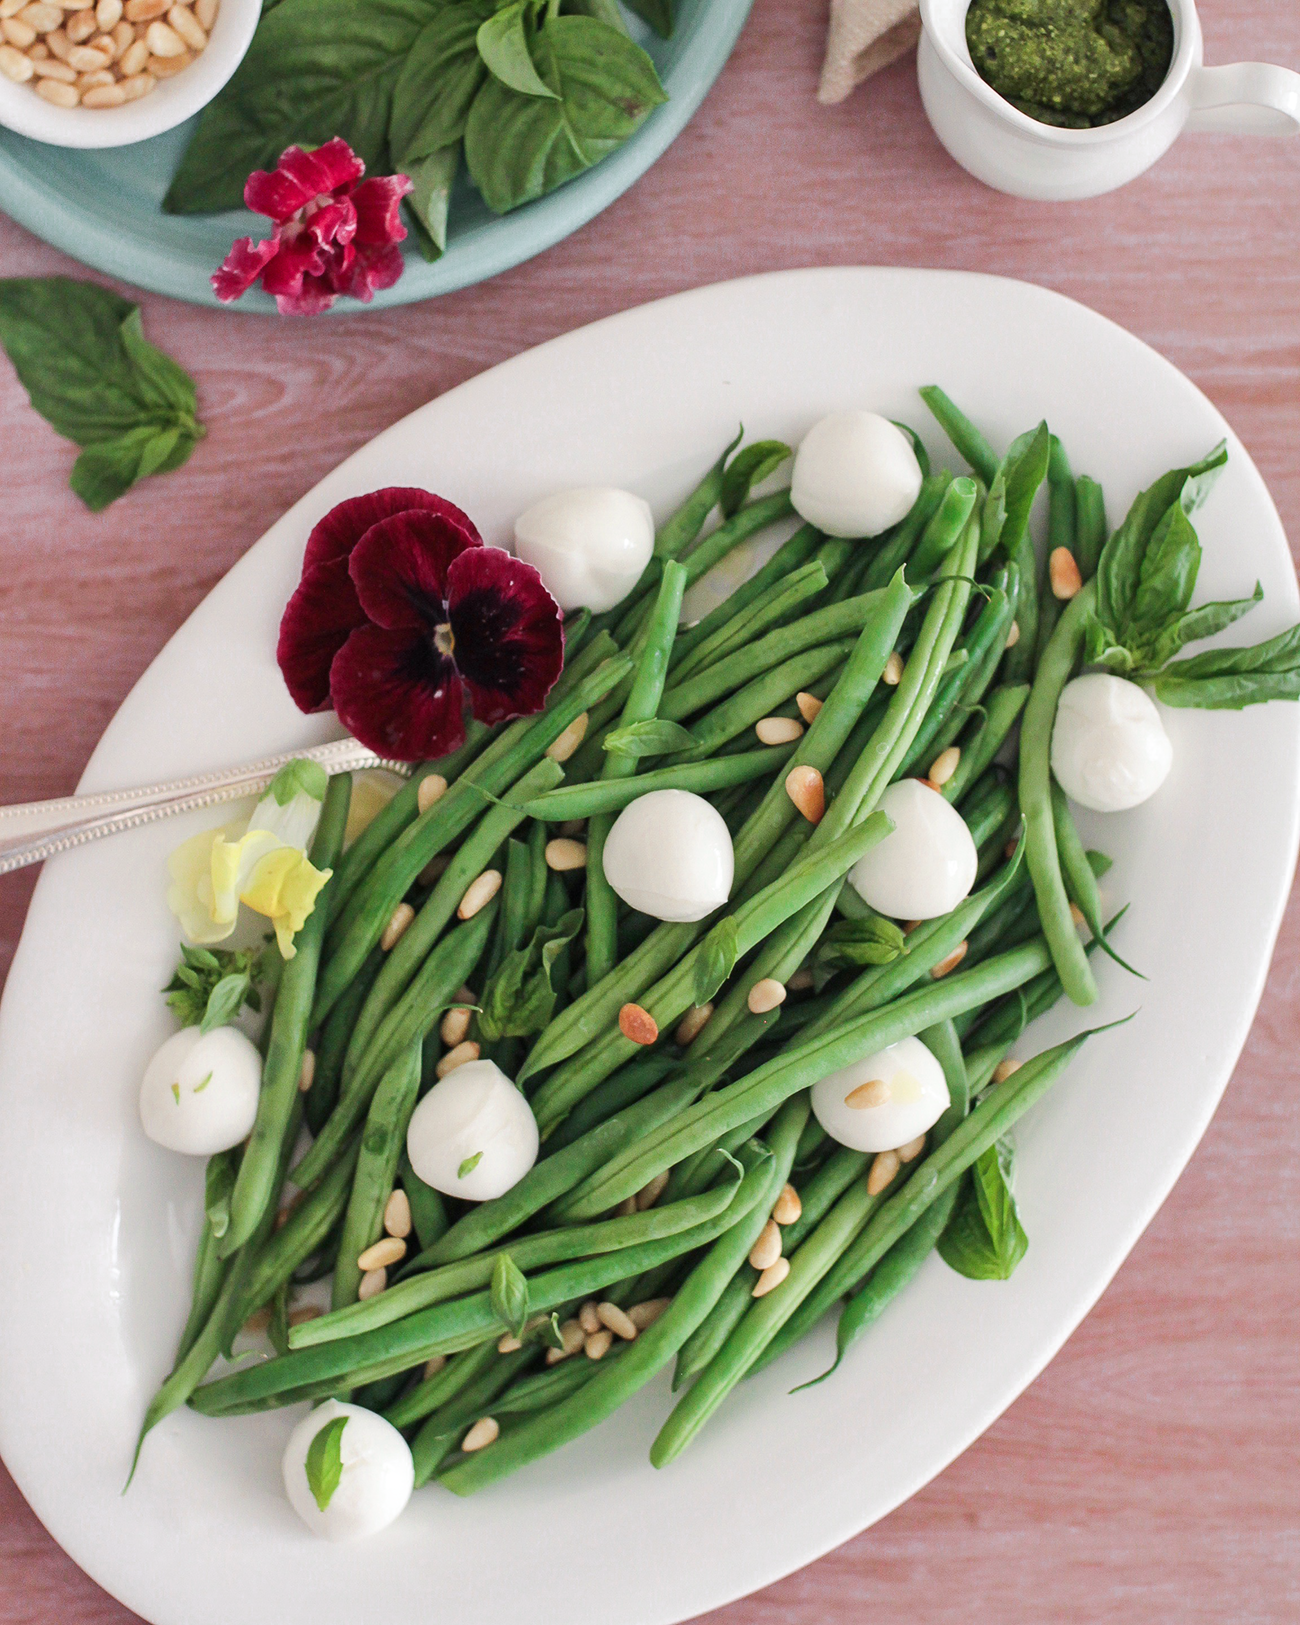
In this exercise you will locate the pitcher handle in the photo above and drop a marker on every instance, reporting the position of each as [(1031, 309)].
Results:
[(1245, 98)]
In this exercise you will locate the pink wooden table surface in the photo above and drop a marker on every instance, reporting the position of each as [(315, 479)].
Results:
[(1150, 1474)]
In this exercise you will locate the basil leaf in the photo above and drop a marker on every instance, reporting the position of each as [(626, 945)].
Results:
[(716, 959), (437, 84), (429, 199), (658, 13), (604, 11), (504, 43), (873, 940), (225, 1002), (1195, 624), (197, 979), (218, 1183), (325, 1459), (993, 515), (468, 1166), (1166, 576), (509, 1294), (1023, 471), (985, 1240), (520, 998), (654, 737), (749, 468), (520, 147), (549, 1331), (1230, 679), (300, 777)]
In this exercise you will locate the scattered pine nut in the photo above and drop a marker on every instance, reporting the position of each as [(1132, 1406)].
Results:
[(807, 789), (397, 1214), (626, 1208), (380, 1254), (57, 92), (11, 8), (487, 1430), (559, 750), (57, 44), (432, 788), (434, 870), (771, 1278), (454, 1025), (1063, 573), (893, 672), (617, 1321), (373, 1283), (18, 33), (163, 40), (573, 1336), (43, 18), (597, 1346), (912, 1150), (554, 1356), (433, 1367), (692, 1024), (875, 1092), (79, 27), (563, 854), (206, 12), (108, 13), (883, 1168), (1076, 914), (468, 1051), (144, 11), (767, 1249), (1003, 1070), (778, 730), (809, 706), (571, 826), (589, 1318), (950, 961), (184, 23), (133, 58), (788, 1205), (286, 1212), (509, 1344), (1013, 636), (643, 1315), (479, 893), (307, 1071), (1009, 850), (300, 1317), (137, 85), (637, 1024), (944, 766), (649, 1194), (14, 65), (258, 1321), (765, 995), (401, 918), (802, 980), (911, 925)]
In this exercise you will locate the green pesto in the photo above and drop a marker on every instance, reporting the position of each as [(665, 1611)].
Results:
[(1074, 63)]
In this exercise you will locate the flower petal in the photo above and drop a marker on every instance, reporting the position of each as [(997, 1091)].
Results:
[(298, 258), (344, 525), (242, 266), (232, 863), (375, 268), (395, 693), (378, 204), (334, 222), (314, 627), (189, 896), (314, 296), (284, 886), (301, 176), (508, 630), (399, 567)]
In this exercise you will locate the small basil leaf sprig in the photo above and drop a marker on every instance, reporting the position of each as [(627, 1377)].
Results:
[(716, 958), (654, 737), (509, 1294), (325, 1461), (854, 944), (80, 352), (520, 998), (985, 1240), (210, 986)]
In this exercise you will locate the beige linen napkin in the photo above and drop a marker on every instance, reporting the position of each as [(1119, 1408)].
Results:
[(865, 35)]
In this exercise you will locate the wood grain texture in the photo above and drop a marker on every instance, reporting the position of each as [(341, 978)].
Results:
[(1150, 1474)]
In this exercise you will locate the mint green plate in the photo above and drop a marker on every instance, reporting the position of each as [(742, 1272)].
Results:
[(103, 206)]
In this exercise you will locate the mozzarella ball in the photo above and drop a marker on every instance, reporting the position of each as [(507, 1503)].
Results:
[(926, 866), (914, 1097), (855, 474), (669, 855), (473, 1135), (200, 1091), (1110, 750), (589, 545), (375, 1483)]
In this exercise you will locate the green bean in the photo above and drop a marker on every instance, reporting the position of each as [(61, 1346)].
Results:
[(623, 1088), (688, 521), (763, 696), (769, 610), (897, 547), (442, 975), (332, 1044), (609, 1388), (516, 898), (962, 432), (1079, 876), (1090, 522), (1053, 673), (452, 1378), (541, 1389), (255, 1184), (1001, 710), (784, 562), (942, 1042), (1061, 532), (945, 529), (209, 1266), (445, 1427), (382, 1141), (428, 1210), (965, 686)]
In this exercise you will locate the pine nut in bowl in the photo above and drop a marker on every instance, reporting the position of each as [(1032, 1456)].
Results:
[(107, 73)]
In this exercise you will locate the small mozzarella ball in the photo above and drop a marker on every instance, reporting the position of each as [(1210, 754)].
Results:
[(926, 866), (855, 474), (1110, 750), (374, 1485), (913, 1098), (475, 1115), (589, 545), (200, 1091), (669, 855)]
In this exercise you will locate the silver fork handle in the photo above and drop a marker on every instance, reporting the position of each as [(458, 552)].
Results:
[(38, 829)]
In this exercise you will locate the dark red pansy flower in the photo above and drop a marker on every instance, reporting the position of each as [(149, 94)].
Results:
[(403, 614), (334, 232)]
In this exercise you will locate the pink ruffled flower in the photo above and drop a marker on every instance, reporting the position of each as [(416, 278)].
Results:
[(403, 615), (334, 232)]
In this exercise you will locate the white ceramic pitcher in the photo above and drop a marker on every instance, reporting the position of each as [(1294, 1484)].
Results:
[(1006, 148)]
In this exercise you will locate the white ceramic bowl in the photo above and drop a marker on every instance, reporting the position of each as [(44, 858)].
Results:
[(170, 103)]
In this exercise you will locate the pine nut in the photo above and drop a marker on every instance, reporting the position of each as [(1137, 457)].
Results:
[(649, 1194), (300, 1317), (571, 826), (617, 1321), (454, 1026), (380, 1254), (564, 854), (911, 925), (1003, 1070), (57, 43), (509, 1344), (765, 995), (39, 51), (912, 1150), (144, 11), (572, 1336), (206, 12), (1009, 850), (163, 40), (18, 33), (692, 1024), (373, 1283), (944, 766), (137, 84), (893, 672), (433, 786), (120, 36), (589, 1318), (434, 870), (43, 18), (133, 59), (643, 1315), (486, 1431), (14, 65), (626, 1208), (788, 1205), (258, 1321), (433, 1367), (637, 1025), (108, 13), (307, 1071), (875, 1092), (1063, 573), (950, 962), (1076, 914), (11, 8), (80, 26), (54, 90), (397, 1214), (883, 1168), (92, 81), (809, 706), (554, 1356), (287, 1211), (54, 69), (167, 67), (778, 730), (1013, 636), (806, 788), (771, 1278), (468, 1051), (186, 25), (479, 894), (401, 918), (75, 5), (597, 1345), (802, 980), (559, 750), (767, 1249)]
